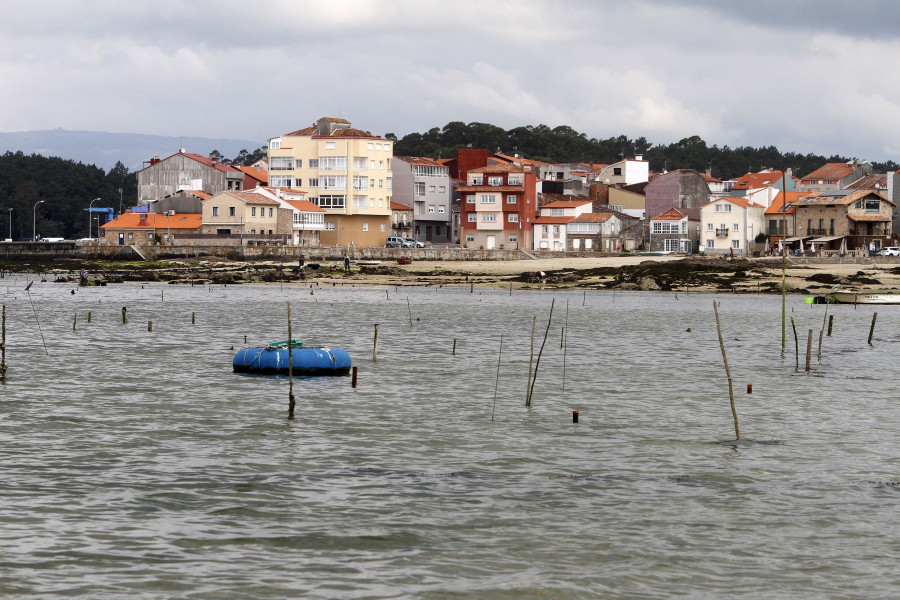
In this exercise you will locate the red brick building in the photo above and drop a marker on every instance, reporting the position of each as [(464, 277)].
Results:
[(497, 206)]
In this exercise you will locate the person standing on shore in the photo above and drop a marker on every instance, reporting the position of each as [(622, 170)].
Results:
[(346, 263)]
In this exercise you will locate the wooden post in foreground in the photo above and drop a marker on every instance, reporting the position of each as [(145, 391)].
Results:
[(375, 345), (872, 328), (291, 401), (737, 430), (3, 348), (808, 349)]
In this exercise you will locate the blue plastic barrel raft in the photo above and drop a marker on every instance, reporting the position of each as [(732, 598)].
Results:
[(306, 361)]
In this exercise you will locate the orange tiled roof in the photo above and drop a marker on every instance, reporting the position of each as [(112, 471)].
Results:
[(519, 159), (398, 206), (253, 198), (776, 207), (673, 214), (870, 182), (305, 205), (552, 220), (710, 178), (349, 132), (752, 181), (593, 218), (261, 175), (417, 160), (155, 221), (736, 200), (302, 132), (830, 172), (873, 218), (838, 197), (566, 203)]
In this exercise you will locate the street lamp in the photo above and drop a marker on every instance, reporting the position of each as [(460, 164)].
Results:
[(34, 220), (90, 217), (120, 202), (10, 224)]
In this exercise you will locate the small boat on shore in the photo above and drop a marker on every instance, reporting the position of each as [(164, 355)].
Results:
[(865, 298), (272, 359), (368, 263), (404, 260)]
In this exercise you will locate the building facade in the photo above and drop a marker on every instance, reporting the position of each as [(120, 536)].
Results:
[(346, 172), (729, 225), (424, 186), (185, 171), (497, 206)]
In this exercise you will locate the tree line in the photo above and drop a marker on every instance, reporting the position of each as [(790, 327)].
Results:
[(66, 188), (565, 145)]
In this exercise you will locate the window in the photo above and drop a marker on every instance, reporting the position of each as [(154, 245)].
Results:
[(381, 164), (329, 145), (487, 198), (672, 245), (736, 244), (382, 227), (130, 236), (545, 229), (280, 181), (381, 183), (556, 212), (489, 218), (378, 146), (736, 227), (513, 179), (275, 144), (470, 237), (710, 243), (431, 208), (314, 163), (150, 236), (556, 229), (495, 180), (359, 163), (232, 211), (388, 160), (430, 189), (215, 211), (390, 184), (365, 226), (252, 211), (511, 199), (477, 180), (387, 148), (513, 237), (617, 170), (371, 163), (727, 208), (709, 226), (442, 189), (332, 201), (281, 163), (873, 206), (369, 146), (470, 199), (513, 218), (271, 212), (332, 163), (313, 182), (333, 182), (360, 202), (360, 182), (329, 226), (298, 182), (473, 217), (298, 164), (576, 244), (441, 208), (718, 208)]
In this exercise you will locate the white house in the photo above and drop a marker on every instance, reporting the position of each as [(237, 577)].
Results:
[(730, 224), (549, 229), (307, 218)]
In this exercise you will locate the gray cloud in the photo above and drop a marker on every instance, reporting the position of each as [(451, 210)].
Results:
[(807, 76)]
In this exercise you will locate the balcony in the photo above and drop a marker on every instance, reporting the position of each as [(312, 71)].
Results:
[(722, 232)]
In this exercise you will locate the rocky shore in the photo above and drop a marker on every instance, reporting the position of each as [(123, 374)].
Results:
[(667, 273)]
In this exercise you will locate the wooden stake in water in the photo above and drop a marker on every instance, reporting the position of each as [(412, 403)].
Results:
[(808, 349), (497, 381), (124, 315), (796, 346), (540, 352), (408, 308), (193, 318), (783, 298), (830, 323), (89, 316), (375, 345), (530, 363), (74, 321), (3, 348), (291, 402), (36, 320), (737, 430), (454, 346), (872, 328), (149, 325)]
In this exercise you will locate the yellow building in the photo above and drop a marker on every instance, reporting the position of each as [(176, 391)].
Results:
[(345, 171)]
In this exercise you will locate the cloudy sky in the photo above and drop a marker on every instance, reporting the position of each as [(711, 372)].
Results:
[(807, 75)]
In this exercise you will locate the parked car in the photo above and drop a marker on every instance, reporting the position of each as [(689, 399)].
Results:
[(397, 242), (415, 243), (889, 251)]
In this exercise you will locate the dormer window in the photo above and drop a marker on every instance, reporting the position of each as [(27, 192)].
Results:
[(477, 180)]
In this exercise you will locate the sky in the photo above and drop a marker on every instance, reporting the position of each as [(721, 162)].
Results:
[(817, 76)]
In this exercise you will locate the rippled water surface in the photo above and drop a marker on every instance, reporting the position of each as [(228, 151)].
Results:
[(135, 464)]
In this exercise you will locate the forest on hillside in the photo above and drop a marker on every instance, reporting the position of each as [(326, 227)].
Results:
[(66, 188), (565, 145)]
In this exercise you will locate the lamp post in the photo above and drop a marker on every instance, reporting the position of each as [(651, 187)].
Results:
[(34, 220), (10, 224), (120, 202), (90, 216)]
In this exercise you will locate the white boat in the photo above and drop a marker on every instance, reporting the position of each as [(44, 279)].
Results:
[(865, 298), (368, 263)]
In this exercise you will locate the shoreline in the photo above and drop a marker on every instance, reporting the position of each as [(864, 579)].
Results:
[(626, 273)]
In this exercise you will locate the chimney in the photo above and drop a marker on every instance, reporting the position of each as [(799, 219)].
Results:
[(143, 219), (154, 160), (709, 171), (638, 157)]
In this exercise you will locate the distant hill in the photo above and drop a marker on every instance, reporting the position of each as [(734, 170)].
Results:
[(105, 149)]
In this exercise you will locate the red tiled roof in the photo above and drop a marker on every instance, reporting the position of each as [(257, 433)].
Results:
[(520, 160), (199, 193), (261, 175), (155, 221), (305, 205), (199, 158), (499, 168), (736, 200), (302, 132), (398, 206), (873, 218), (710, 178), (552, 220), (416, 160), (676, 214), (753, 181), (829, 172), (869, 182), (349, 132), (828, 197), (336, 120)]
